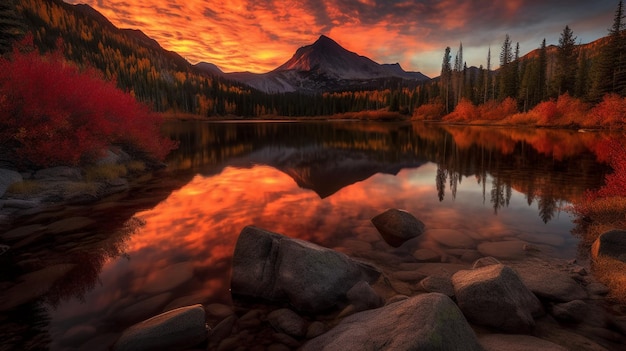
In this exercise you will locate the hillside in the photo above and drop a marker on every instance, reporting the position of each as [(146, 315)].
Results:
[(160, 78)]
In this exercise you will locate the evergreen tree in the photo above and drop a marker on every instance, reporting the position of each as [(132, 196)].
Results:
[(566, 59), (542, 82), (609, 68), (446, 75), (507, 76)]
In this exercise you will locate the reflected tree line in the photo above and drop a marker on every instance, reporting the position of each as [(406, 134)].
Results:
[(500, 160)]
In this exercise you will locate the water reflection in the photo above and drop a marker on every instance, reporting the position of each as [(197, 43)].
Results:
[(316, 181)]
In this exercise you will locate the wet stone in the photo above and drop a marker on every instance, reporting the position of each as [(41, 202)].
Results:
[(426, 255), (288, 322), (451, 238), (511, 249), (316, 328), (222, 330)]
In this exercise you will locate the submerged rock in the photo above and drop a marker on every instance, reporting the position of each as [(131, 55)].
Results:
[(8, 177), (310, 277), (495, 296), (397, 226), (177, 329), (424, 322), (611, 244)]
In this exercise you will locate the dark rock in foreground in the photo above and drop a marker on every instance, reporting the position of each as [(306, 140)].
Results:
[(177, 329), (611, 244), (424, 322), (397, 226), (277, 268), (499, 342), (495, 296)]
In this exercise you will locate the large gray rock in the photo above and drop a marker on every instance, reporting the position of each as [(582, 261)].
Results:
[(551, 284), (424, 322), (177, 329), (611, 244), (397, 226), (311, 278), (8, 177), (495, 296)]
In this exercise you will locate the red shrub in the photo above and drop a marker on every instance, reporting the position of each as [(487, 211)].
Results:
[(464, 111), (611, 111), (545, 113), (51, 113), (431, 111), (495, 111)]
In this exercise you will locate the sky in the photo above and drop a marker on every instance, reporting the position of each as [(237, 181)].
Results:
[(260, 35)]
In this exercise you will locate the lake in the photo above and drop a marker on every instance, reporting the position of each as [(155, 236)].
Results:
[(86, 272)]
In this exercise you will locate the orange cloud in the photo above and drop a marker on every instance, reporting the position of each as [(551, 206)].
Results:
[(258, 36)]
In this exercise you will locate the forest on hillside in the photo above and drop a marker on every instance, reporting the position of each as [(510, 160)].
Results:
[(166, 82)]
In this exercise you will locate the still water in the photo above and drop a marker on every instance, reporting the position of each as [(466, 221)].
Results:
[(85, 273)]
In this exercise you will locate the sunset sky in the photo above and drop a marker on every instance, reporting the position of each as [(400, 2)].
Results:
[(260, 35)]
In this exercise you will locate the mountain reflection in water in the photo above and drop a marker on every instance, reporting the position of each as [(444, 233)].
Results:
[(318, 181)]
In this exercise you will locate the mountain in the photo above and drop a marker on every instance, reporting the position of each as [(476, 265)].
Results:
[(325, 66)]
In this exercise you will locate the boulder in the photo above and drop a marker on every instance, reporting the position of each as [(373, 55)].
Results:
[(8, 177), (499, 342), (363, 297), (579, 311), (495, 296), (177, 329), (551, 284), (311, 278), (423, 322), (287, 321), (611, 244), (397, 226)]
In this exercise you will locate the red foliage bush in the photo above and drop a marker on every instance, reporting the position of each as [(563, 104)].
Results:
[(545, 113), (494, 111), (611, 111), (52, 113), (431, 111), (464, 111)]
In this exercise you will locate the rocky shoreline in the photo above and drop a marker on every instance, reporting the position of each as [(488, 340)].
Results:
[(292, 294), (298, 295), (48, 187)]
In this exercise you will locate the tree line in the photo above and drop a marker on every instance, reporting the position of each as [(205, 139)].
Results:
[(167, 82)]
